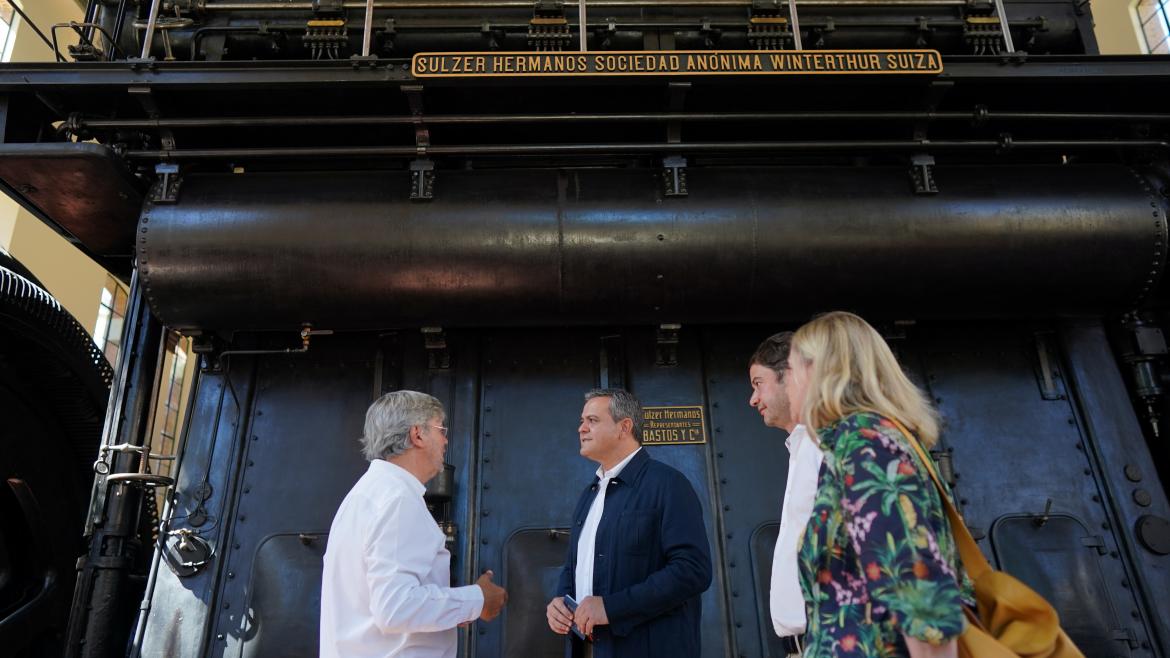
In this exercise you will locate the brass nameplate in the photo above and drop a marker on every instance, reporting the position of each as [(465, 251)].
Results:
[(676, 63), (673, 426)]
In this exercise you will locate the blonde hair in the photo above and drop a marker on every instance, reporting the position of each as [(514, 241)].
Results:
[(853, 370)]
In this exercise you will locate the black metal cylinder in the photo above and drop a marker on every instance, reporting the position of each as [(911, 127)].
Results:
[(351, 251)]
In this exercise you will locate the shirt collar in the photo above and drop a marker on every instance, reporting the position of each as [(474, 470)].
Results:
[(613, 472), (799, 434), (384, 469)]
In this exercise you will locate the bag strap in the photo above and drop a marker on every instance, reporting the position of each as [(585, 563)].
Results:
[(973, 560)]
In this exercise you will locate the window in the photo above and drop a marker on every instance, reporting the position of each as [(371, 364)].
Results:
[(111, 318), (172, 397), (1154, 16), (7, 13)]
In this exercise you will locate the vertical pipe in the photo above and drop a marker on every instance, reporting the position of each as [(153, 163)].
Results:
[(148, 40), (368, 30), (1003, 26), (795, 20), (583, 21), (99, 622)]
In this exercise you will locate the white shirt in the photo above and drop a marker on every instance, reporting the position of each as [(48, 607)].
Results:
[(385, 589), (587, 542), (785, 599)]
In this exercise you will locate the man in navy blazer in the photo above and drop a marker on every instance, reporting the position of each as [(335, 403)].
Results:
[(638, 554)]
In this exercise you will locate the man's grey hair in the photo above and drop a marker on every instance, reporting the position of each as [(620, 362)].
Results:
[(622, 404), (389, 419)]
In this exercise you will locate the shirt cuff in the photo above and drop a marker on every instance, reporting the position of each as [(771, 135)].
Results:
[(472, 596)]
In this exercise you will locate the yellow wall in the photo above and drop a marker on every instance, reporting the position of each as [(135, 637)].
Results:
[(28, 46), (1116, 27), (75, 280)]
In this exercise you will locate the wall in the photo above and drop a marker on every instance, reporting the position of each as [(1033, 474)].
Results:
[(1117, 27), (28, 46), (72, 278)]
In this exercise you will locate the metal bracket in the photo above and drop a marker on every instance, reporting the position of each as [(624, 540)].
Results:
[(146, 100), (945, 459), (674, 175), (1095, 541), (422, 179), (666, 345), (922, 174), (1047, 372), (676, 96), (422, 170), (1125, 635), (167, 188), (435, 342)]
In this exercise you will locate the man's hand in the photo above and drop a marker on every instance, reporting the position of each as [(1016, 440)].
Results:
[(590, 613), (494, 597), (559, 617)]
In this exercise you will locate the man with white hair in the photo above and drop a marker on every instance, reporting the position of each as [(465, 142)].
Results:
[(385, 589)]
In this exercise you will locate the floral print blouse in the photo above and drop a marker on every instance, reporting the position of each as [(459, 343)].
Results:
[(877, 558)]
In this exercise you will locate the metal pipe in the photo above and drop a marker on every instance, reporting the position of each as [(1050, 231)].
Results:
[(526, 4), (237, 250), (584, 25), (1003, 26), (795, 20), (924, 145), (148, 40), (368, 28), (75, 125)]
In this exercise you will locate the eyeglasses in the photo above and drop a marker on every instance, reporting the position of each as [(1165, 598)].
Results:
[(442, 430)]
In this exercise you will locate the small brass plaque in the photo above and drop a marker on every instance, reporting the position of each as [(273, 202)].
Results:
[(675, 63), (673, 426)]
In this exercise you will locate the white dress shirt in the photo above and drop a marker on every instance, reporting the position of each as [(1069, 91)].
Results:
[(785, 599), (587, 542), (385, 589)]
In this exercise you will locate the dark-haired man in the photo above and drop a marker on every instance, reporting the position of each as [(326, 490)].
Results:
[(638, 554), (766, 370)]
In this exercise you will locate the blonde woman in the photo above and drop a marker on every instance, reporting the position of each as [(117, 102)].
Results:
[(878, 565)]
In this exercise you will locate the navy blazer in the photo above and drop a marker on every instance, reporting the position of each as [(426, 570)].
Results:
[(651, 563)]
